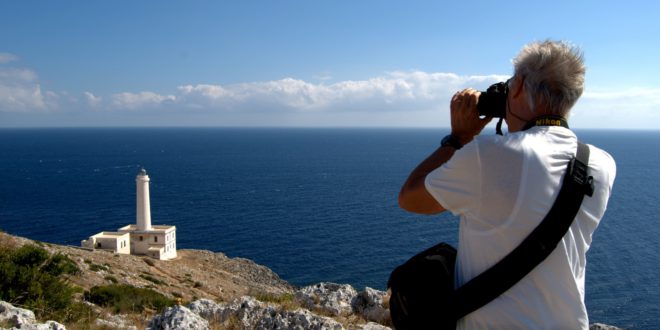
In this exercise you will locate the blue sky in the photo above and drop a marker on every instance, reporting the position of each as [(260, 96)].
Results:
[(308, 63)]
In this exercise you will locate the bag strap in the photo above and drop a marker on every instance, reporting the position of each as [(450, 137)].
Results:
[(536, 247)]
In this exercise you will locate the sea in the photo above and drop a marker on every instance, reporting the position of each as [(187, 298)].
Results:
[(313, 204)]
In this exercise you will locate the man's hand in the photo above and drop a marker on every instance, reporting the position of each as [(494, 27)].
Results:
[(465, 121)]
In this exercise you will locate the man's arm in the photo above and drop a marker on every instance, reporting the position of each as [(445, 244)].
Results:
[(413, 196), (465, 124)]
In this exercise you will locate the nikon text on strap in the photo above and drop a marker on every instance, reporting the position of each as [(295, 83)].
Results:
[(547, 120)]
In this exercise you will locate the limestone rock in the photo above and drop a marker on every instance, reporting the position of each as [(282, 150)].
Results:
[(48, 325), (600, 326), (299, 319), (16, 316), (114, 322), (253, 314), (375, 326), (208, 309), (178, 317), (24, 319), (369, 304), (333, 298)]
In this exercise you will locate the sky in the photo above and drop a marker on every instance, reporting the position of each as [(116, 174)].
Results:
[(308, 63)]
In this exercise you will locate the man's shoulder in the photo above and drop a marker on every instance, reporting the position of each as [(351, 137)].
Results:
[(509, 141), (602, 161)]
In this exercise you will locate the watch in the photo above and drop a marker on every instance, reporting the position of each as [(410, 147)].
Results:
[(452, 141)]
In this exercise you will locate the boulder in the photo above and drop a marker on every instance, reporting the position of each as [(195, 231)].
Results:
[(178, 317), (208, 309), (300, 319), (335, 299), (369, 304), (600, 326), (114, 322), (15, 316), (24, 319), (253, 314), (48, 325), (375, 326)]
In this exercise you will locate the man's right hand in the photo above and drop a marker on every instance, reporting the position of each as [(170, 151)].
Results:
[(465, 121)]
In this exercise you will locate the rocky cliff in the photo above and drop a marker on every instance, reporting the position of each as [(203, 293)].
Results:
[(212, 291)]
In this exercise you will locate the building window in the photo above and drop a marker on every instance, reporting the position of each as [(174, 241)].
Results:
[(155, 238), (140, 238)]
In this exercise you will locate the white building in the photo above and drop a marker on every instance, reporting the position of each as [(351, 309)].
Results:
[(158, 242)]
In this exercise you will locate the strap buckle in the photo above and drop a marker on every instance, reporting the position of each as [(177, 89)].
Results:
[(578, 172)]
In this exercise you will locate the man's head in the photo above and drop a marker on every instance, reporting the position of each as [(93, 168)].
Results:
[(553, 76)]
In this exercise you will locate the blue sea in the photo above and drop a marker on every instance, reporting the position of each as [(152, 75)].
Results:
[(312, 204)]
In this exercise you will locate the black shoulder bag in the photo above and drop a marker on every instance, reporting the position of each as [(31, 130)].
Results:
[(422, 289)]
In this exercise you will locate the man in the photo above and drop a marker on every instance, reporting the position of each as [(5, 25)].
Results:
[(503, 186)]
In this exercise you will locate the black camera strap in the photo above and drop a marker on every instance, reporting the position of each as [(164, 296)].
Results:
[(537, 246)]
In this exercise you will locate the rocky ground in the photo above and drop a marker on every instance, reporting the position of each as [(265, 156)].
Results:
[(215, 292), (193, 274), (247, 294)]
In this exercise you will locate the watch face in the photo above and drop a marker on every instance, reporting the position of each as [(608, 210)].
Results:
[(451, 141)]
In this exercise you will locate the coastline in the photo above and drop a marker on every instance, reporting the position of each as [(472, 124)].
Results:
[(212, 291)]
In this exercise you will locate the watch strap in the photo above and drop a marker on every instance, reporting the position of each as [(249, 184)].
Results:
[(451, 141)]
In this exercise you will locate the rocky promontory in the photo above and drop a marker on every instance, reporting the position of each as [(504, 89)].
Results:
[(209, 291)]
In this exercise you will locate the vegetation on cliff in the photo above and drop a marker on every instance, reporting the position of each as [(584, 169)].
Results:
[(34, 279), (127, 299), (77, 287)]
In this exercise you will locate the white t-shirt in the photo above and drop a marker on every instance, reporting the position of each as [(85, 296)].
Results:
[(502, 187)]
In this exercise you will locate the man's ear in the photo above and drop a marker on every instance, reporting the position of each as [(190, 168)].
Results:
[(517, 86)]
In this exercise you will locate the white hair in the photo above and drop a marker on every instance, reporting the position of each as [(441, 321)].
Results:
[(553, 73)]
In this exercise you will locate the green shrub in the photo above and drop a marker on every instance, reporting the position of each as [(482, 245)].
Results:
[(112, 279), (60, 264), (126, 298), (32, 278), (96, 268), (152, 279), (29, 256), (272, 298)]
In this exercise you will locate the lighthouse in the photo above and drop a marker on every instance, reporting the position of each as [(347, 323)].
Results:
[(141, 238), (143, 206)]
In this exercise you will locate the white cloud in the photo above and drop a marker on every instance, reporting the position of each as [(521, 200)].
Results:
[(394, 91), (7, 57), (20, 92), (136, 101), (16, 76), (623, 108), (92, 100), (399, 98)]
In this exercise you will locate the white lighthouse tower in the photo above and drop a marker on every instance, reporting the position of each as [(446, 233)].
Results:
[(143, 213)]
